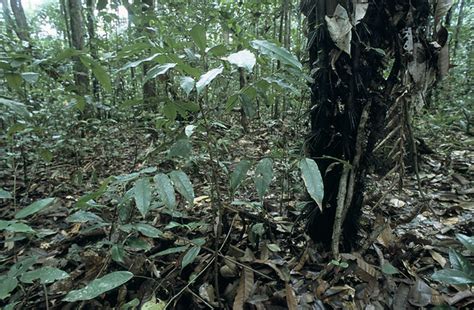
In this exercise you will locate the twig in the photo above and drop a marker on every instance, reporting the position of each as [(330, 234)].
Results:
[(46, 296), (341, 196), (200, 298)]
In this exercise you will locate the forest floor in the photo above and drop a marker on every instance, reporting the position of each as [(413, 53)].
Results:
[(264, 260)]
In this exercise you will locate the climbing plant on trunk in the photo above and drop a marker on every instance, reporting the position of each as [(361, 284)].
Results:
[(366, 58)]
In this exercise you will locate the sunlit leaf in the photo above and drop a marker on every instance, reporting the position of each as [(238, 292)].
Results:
[(15, 106), (243, 59), (389, 269), (158, 70), (340, 29), (313, 180), (102, 76), (19, 228), (84, 217), (34, 208), (30, 77), (207, 78), (187, 84), (135, 64), (277, 53), (99, 286)]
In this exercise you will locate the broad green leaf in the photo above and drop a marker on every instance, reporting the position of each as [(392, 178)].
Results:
[(158, 70), (22, 266), (263, 176), (34, 208), (218, 50), (15, 106), (166, 190), (207, 78), (190, 256), (169, 111), (5, 195), (84, 217), (19, 228), (118, 253), (101, 4), (101, 75), (183, 185), (139, 244), (277, 53), (135, 64), (459, 262), (198, 34), (133, 304), (30, 77), (389, 269), (45, 154), (46, 275), (313, 180), (239, 174), (181, 148), (452, 276), (187, 84), (99, 286), (468, 242), (178, 249), (7, 285), (243, 59), (148, 230), (142, 195), (14, 80)]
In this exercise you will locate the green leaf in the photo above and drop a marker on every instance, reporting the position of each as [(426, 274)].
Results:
[(452, 276), (178, 249), (218, 50), (142, 195), (5, 195), (15, 106), (190, 256), (243, 59), (207, 78), (135, 64), (277, 53), (46, 275), (14, 80), (198, 34), (84, 217), (118, 253), (239, 174), (181, 148), (468, 242), (263, 176), (101, 4), (187, 84), (7, 285), (389, 269), (158, 70), (45, 154), (148, 230), (101, 75), (459, 262), (165, 189), (183, 185), (34, 208), (19, 228), (169, 110), (313, 180), (30, 77), (99, 286)]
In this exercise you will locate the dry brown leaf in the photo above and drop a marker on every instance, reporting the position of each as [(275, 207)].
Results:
[(244, 289), (420, 294), (438, 258), (290, 298)]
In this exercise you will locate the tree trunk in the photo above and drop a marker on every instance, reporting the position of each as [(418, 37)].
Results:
[(76, 23), (21, 29), (458, 28), (350, 97), (92, 47), (149, 87)]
